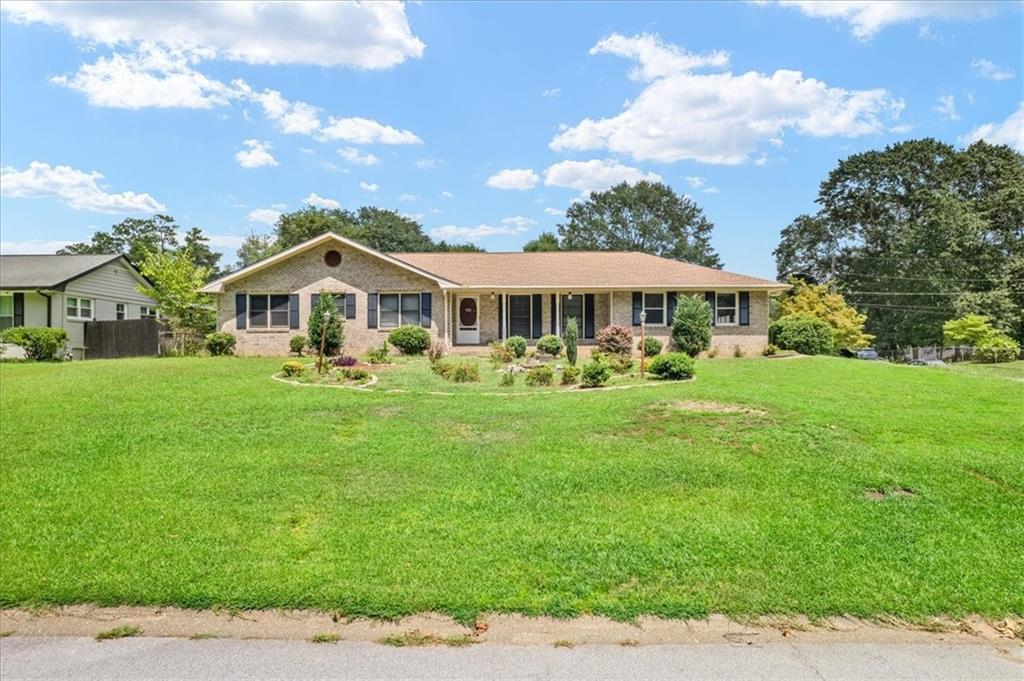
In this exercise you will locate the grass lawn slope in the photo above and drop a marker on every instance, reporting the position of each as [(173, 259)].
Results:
[(815, 486)]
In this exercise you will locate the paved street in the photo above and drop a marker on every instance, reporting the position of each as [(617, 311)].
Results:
[(169, 658)]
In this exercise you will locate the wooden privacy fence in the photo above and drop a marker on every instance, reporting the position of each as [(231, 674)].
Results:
[(122, 338)]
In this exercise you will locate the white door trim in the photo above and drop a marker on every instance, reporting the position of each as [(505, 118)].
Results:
[(468, 335)]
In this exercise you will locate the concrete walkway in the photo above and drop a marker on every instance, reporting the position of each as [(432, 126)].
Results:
[(175, 658)]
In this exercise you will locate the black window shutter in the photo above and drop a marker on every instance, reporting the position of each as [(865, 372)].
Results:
[(19, 309), (293, 310), (638, 306), (501, 319), (554, 315), (588, 315), (350, 306), (744, 308), (371, 310), (313, 298), (426, 303), (240, 302), (538, 315), (670, 308), (709, 296)]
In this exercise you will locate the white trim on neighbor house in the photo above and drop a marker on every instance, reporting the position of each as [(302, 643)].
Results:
[(78, 315)]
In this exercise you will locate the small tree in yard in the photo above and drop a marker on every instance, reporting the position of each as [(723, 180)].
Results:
[(990, 344), (330, 341), (571, 340), (691, 326), (176, 281), (818, 300), (615, 340)]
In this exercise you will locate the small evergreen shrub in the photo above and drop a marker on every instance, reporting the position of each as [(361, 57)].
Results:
[(572, 338), (40, 343), (650, 346), (595, 373), (570, 374), (292, 368), (691, 326), (437, 351), (410, 339), (615, 340), (769, 350), (325, 319), (500, 354), (220, 343), (550, 345), (297, 344), (507, 380), (997, 347), (542, 375), (807, 335), (466, 372), (673, 366), (517, 344), (357, 374), (379, 354)]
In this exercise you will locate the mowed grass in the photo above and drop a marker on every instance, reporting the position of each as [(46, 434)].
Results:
[(202, 482)]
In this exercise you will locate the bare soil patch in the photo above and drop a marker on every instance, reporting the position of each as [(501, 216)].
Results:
[(709, 407)]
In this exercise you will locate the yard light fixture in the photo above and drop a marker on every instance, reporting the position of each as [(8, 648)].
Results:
[(569, 297), (323, 340), (643, 352)]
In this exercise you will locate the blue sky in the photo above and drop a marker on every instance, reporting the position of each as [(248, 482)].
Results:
[(484, 121)]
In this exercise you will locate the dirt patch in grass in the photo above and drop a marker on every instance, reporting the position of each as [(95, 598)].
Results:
[(882, 494), (710, 407)]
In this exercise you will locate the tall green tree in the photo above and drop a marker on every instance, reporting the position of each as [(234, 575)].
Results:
[(174, 283), (326, 324), (545, 241), (646, 216), (916, 234), (255, 247)]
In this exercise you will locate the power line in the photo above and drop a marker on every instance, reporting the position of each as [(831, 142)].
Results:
[(910, 293)]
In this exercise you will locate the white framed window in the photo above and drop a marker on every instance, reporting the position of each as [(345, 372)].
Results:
[(268, 311), (120, 311), (654, 306), (147, 311), (6, 310), (79, 308), (398, 309), (725, 309)]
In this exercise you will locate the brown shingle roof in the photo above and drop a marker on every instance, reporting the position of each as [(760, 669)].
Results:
[(576, 269)]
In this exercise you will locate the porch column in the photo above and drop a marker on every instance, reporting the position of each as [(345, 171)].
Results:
[(558, 313)]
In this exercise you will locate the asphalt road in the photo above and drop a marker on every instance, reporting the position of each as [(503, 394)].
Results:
[(167, 658)]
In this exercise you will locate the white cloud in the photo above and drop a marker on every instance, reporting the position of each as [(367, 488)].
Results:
[(371, 35), (369, 186), (947, 107), (868, 17), (428, 163), (365, 131), (983, 68), (78, 189), (594, 175), (1009, 132), (518, 221), (554, 212), (353, 156), (407, 197), (256, 156), (320, 202), (656, 59), (513, 178), (267, 216), (225, 240), (551, 92), (447, 194), (700, 184), (31, 247), (720, 117), (292, 117), (436, 211), (454, 233), (412, 216)]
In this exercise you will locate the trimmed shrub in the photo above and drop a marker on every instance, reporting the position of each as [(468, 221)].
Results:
[(807, 335), (550, 345), (357, 374), (650, 346), (570, 374), (595, 373), (542, 375), (769, 350), (996, 347), (334, 331), (673, 366), (615, 340), (507, 379), (220, 343), (343, 361), (437, 351), (292, 368), (410, 339), (620, 364), (691, 326), (572, 337), (379, 354), (40, 343), (500, 354), (517, 344), (297, 344)]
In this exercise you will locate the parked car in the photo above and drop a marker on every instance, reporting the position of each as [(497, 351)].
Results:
[(870, 354)]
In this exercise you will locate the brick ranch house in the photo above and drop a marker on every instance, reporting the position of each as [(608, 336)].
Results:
[(470, 299)]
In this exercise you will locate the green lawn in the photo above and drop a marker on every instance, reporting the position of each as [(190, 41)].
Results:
[(1013, 370), (202, 482)]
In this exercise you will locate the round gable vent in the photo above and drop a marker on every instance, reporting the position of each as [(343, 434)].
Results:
[(332, 258)]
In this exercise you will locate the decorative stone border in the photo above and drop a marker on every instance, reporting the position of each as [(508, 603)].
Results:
[(362, 386)]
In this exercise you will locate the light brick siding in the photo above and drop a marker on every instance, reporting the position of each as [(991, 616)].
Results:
[(305, 274), (489, 312)]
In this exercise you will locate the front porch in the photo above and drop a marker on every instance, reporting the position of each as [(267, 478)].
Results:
[(476, 318)]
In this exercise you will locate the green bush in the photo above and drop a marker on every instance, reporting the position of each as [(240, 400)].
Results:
[(615, 340), (220, 343), (465, 372), (571, 340), (297, 344), (542, 375), (40, 343), (595, 373), (691, 325), (334, 335), (379, 354), (500, 354), (996, 347), (650, 346), (674, 366), (292, 368), (550, 345), (357, 374), (769, 350), (807, 335), (410, 339), (570, 374), (508, 379), (517, 344)]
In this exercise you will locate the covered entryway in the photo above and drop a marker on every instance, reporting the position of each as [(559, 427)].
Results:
[(468, 319)]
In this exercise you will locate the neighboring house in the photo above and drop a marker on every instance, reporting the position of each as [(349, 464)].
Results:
[(475, 298), (66, 291)]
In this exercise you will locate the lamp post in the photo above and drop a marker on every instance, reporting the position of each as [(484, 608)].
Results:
[(643, 350), (323, 340)]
